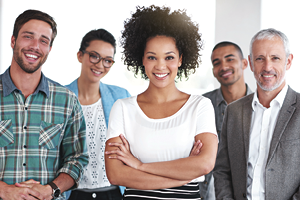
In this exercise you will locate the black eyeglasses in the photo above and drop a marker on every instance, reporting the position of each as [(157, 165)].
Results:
[(96, 58)]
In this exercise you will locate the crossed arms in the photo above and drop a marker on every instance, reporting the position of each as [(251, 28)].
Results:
[(123, 168)]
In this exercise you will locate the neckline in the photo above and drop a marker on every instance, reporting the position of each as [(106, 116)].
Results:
[(93, 104), (165, 118)]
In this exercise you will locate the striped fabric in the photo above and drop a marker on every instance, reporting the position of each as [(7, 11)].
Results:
[(188, 191), (42, 135)]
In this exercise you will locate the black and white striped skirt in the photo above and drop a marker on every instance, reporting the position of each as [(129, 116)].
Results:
[(188, 191)]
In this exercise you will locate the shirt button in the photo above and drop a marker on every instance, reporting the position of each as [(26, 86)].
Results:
[(94, 195), (25, 146), (24, 164), (244, 195), (25, 108), (25, 127)]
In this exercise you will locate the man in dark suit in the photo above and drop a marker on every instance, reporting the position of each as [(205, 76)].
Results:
[(259, 153)]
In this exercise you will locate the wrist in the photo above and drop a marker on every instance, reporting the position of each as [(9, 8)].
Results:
[(55, 193), (3, 187), (141, 167), (49, 190)]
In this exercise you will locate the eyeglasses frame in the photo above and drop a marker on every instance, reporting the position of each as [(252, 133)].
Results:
[(100, 58)]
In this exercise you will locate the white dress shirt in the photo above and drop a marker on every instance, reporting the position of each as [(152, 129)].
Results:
[(262, 127)]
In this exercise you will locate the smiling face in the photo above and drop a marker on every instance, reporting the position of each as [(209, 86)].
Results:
[(161, 61), (269, 63), (31, 48), (228, 65), (94, 72)]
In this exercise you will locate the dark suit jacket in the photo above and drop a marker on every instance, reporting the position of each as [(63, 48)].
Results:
[(283, 163)]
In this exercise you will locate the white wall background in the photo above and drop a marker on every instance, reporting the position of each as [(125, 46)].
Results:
[(284, 15), (76, 17), (219, 20)]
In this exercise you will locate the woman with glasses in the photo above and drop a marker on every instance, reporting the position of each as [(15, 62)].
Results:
[(96, 55), (150, 136)]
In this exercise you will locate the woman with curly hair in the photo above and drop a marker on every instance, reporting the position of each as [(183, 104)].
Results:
[(154, 138)]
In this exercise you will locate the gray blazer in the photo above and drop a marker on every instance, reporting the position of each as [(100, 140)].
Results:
[(283, 164)]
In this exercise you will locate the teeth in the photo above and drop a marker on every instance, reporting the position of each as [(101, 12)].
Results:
[(96, 72), (160, 75), (268, 76), (31, 56)]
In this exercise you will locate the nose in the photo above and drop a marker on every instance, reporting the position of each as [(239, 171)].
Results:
[(100, 64), (268, 65), (34, 44), (160, 65), (224, 66)]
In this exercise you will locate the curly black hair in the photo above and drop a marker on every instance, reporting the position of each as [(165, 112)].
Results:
[(153, 21)]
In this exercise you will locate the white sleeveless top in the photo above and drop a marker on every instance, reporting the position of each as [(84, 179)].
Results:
[(156, 140)]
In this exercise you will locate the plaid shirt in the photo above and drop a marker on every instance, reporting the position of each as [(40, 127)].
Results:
[(42, 135)]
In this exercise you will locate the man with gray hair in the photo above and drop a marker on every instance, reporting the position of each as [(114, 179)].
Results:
[(259, 153)]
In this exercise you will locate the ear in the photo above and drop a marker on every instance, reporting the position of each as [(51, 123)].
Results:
[(13, 42), (180, 61), (250, 63), (245, 63), (79, 56), (289, 61)]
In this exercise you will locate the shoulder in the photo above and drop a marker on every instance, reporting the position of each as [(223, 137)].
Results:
[(199, 102), (116, 91), (73, 86), (236, 105), (211, 93), (58, 88), (200, 99), (126, 101), (125, 104)]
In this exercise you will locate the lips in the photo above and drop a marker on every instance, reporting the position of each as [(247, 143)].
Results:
[(161, 75), (268, 75), (96, 72), (32, 56), (226, 73)]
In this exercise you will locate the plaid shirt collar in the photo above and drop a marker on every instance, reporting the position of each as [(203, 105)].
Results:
[(9, 86)]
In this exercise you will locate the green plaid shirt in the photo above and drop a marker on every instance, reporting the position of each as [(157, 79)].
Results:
[(42, 135)]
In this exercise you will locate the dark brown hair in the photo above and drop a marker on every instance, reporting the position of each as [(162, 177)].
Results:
[(154, 21), (34, 14)]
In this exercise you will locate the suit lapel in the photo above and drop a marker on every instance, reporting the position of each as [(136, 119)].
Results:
[(247, 115), (284, 117)]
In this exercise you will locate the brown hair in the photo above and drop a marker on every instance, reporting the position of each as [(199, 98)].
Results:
[(34, 14)]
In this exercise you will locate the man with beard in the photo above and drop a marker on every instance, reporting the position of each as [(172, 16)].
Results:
[(42, 129), (259, 154), (228, 68)]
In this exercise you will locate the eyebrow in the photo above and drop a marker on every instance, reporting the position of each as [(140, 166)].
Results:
[(229, 55), (32, 33), (100, 55), (165, 53)]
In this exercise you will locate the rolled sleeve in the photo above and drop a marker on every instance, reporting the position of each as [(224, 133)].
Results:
[(73, 149)]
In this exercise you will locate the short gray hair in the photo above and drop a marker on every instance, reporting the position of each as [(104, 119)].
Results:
[(269, 34)]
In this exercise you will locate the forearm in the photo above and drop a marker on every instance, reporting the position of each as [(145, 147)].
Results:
[(182, 169), (120, 174), (64, 181), (190, 167)]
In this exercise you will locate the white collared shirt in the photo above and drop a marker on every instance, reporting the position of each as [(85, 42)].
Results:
[(262, 127)]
